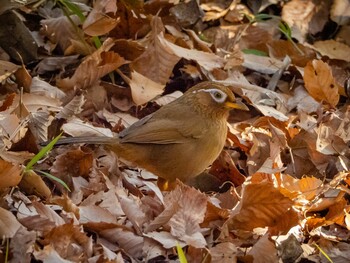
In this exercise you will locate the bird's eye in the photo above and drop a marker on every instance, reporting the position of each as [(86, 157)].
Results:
[(218, 95)]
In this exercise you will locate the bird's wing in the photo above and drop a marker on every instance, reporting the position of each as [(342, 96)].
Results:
[(158, 129)]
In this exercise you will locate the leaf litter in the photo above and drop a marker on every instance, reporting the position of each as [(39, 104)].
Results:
[(277, 193)]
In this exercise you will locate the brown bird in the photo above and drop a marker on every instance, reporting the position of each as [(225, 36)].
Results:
[(181, 139)]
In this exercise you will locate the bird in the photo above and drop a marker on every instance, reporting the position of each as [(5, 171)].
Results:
[(181, 139)]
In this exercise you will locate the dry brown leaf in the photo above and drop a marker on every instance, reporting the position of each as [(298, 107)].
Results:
[(55, 63), (303, 101), (36, 222), (287, 221), (72, 108), (67, 204), (306, 188), (340, 12), (208, 61), (157, 62), (262, 64), (98, 21), (94, 67), (66, 237), (337, 251), (278, 49), (224, 252), (261, 205), (7, 69), (47, 212), (8, 224), (72, 163), (32, 183), (184, 210), (347, 219), (126, 239), (225, 170), (333, 49), (216, 10), (185, 222), (35, 102), (259, 151), (271, 112), (320, 83), (132, 208), (307, 16), (119, 117), (165, 238), (11, 127), (214, 213), (23, 79), (22, 245), (314, 222), (10, 174), (94, 213), (327, 142), (60, 30), (337, 212), (43, 88), (76, 127), (168, 98), (144, 89), (329, 198), (264, 251), (258, 35), (49, 254), (39, 123)]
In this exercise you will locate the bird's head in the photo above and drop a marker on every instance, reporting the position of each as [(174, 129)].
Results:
[(214, 98)]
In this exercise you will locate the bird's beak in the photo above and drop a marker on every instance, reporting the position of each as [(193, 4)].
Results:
[(236, 105)]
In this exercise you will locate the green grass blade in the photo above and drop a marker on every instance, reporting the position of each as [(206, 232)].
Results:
[(7, 250), (76, 10), (181, 254), (54, 178), (42, 153), (285, 29), (262, 17), (255, 52), (73, 8), (324, 253), (97, 42)]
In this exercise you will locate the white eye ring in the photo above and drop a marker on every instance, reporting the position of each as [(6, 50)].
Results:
[(218, 95)]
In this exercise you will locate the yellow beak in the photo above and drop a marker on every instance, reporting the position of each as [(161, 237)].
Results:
[(236, 105)]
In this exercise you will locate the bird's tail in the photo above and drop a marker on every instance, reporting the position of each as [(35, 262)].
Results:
[(85, 140)]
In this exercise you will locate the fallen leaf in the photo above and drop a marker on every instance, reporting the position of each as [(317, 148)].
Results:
[(7, 69), (264, 250), (320, 83), (144, 89), (333, 49), (225, 252), (32, 183), (64, 237), (208, 61), (261, 205), (94, 67), (98, 21), (157, 62), (22, 245), (306, 16), (10, 174), (8, 224), (340, 12)]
